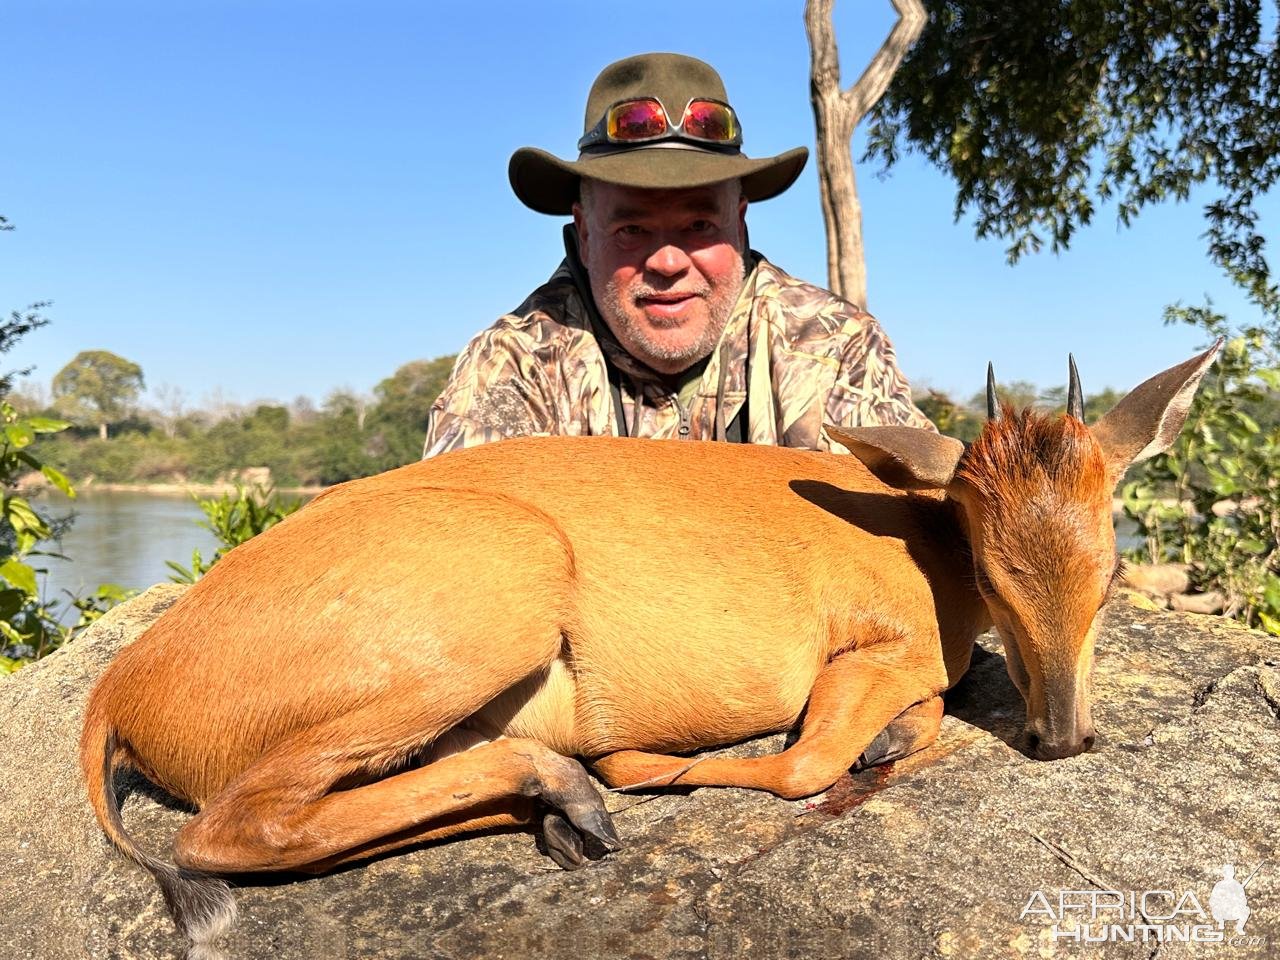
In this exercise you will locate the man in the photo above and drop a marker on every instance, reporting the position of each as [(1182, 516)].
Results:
[(661, 321)]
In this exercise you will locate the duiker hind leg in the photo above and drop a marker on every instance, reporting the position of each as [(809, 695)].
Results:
[(504, 814), (855, 696), (494, 617), (279, 815), (510, 812)]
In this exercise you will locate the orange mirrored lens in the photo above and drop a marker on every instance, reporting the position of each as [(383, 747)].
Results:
[(708, 120), (637, 120)]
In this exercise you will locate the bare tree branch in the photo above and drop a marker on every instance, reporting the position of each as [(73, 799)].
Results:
[(836, 114), (870, 87)]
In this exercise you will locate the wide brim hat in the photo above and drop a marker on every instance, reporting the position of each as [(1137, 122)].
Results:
[(548, 184)]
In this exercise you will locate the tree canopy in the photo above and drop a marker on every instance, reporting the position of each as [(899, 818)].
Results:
[(404, 403), (1038, 110), (98, 384)]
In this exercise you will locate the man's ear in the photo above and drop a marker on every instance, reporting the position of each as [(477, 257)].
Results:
[(1151, 415), (906, 458)]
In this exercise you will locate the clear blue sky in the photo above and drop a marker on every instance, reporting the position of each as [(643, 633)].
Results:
[(279, 198)]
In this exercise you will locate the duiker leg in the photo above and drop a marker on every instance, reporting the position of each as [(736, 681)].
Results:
[(563, 842), (266, 820), (510, 812), (913, 729), (853, 699)]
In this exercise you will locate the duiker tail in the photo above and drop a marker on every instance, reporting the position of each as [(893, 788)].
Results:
[(201, 904)]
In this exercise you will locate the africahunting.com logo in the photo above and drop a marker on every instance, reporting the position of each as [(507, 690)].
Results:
[(1149, 916)]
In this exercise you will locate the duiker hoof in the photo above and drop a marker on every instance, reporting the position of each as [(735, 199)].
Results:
[(573, 845)]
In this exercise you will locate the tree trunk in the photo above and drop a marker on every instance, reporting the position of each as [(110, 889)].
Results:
[(102, 430), (837, 113)]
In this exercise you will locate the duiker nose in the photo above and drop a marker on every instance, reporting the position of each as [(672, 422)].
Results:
[(1044, 748)]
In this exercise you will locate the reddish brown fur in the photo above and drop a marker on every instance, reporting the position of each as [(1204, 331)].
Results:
[(540, 589), (419, 653), (1026, 452), (1044, 495), (1038, 495)]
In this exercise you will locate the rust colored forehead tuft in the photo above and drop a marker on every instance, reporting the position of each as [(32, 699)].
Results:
[(1026, 448)]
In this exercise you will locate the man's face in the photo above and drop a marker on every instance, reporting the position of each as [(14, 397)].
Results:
[(665, 266)]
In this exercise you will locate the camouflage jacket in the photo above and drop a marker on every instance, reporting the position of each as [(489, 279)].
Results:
[(796, 355)]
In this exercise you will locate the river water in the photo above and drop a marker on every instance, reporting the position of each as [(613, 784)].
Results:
[(121, 538)]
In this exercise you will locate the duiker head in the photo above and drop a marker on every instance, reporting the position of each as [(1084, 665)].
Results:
[(1035, 495)]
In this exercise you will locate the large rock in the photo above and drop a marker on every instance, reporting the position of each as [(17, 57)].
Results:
[(1158, 579), (937, 856)]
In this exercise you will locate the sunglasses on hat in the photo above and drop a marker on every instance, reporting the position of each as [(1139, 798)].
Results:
[(643, 120)]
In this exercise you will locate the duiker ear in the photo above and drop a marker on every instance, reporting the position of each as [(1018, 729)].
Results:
[(1150, 417), (903, 457)]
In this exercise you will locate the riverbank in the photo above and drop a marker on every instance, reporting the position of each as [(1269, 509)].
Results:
[(215, 489), (36, 483)]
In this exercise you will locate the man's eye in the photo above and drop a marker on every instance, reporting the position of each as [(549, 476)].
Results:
[(702, 226), (631, 230)]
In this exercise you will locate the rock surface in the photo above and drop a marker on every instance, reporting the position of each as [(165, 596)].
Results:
[(1211, 602), (1158, 579), (936, 856)]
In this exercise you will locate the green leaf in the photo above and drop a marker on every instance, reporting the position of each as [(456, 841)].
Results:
[(1249, 423), (11, 601), (180, 573), (113, 592), (1271, 593), (47, 425), (58, 480), (19, 434), (20, 575), (26, 522), (1225, 486)]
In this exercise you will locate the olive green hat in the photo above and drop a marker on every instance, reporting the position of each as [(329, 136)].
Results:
[(548, 184)]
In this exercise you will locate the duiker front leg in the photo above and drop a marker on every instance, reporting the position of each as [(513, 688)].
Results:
[(855, 696), (913, 729)]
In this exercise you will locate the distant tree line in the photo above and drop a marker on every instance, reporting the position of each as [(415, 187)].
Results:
[(115, 439), (963, 419), (347, 436)]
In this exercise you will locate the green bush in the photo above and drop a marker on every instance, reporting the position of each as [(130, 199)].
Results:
[(30, 624), (1213, 501), (233, 520)]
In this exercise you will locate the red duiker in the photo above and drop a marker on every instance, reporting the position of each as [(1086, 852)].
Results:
[(517, 605)]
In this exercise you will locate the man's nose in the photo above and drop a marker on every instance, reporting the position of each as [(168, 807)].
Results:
[(667, 261)]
